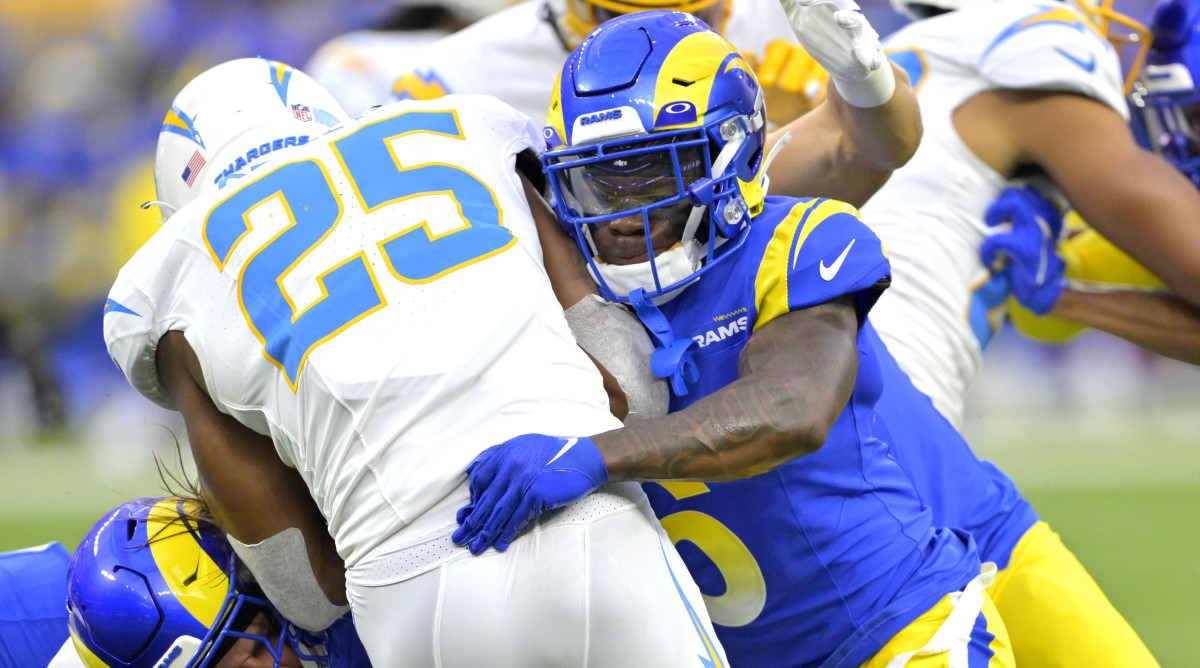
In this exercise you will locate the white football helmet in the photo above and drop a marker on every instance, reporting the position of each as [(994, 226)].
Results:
[(230, 119)]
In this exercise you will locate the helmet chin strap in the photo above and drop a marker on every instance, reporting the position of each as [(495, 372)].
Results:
[(672, 358), (162, 206)]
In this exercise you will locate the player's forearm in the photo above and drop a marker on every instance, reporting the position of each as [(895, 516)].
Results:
[(263, 502), (781, 407), (251, 493), (1132, 197), (1157, 227), (560, 257), (881, 138), (1159, 322), (844, 152), (744, 430)]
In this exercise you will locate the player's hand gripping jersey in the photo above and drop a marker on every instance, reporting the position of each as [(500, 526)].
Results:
[(945, 305), (311, 296), (516, 54), (835, 548)]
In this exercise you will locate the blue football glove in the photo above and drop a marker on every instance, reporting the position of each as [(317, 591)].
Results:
[(1025, 246), (514, 482)]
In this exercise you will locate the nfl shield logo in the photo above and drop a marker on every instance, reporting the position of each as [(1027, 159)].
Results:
[(301, 112)]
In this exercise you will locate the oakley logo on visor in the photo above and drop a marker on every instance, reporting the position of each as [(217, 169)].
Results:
[(676, 113)]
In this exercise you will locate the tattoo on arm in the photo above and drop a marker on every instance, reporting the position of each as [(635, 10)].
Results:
[(795, 376)]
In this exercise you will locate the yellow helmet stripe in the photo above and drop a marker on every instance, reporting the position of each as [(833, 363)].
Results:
[(89, 659), (199, 584), (686, 74)]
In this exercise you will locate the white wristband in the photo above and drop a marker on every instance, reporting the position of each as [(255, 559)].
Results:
[(871, 91)]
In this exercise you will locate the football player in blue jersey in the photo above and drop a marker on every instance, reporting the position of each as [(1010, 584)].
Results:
[(809, 541), (154, 583), (33, 621)]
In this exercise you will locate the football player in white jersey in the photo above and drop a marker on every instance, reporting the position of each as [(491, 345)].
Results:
[(359, 67), (1086, 281), (339, 329), (868, 126), (1010, 90)]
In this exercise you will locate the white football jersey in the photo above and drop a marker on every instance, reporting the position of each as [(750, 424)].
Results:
[(944, 305), (375, 302), (517, 53)]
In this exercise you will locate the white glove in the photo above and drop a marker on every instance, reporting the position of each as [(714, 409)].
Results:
[(838, 36)]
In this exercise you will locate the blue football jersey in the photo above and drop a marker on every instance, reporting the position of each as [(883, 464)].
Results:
[(33, 604), (962, 490), (822, 560)]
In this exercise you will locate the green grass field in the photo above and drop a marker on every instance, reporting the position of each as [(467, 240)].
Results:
[(1139, 545), (1124, 495)]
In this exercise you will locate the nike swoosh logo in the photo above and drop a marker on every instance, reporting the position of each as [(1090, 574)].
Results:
[(113, 306), (1087, 65), (566, 446), (829, 272)]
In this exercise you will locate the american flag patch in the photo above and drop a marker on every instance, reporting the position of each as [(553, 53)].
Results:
[(301, 112), (193, 168)]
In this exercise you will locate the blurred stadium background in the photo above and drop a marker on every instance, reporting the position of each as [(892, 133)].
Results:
[(1104, 439)]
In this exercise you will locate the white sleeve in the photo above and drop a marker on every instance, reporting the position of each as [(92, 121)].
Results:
[(132, 333), (1055, 50), (138, 312)]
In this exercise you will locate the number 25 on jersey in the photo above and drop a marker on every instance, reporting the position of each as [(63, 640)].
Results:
[(350, 290)]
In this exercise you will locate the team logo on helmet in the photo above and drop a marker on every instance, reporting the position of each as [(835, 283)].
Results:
[(179, 123), (610, 115)]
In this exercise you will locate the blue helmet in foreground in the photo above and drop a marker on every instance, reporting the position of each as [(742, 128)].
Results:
[(1165, 104), (151, 587), (655, 115)]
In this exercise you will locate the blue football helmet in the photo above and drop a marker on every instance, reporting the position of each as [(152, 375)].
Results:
[(655, 115), (1165, 104), (149, 587)]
